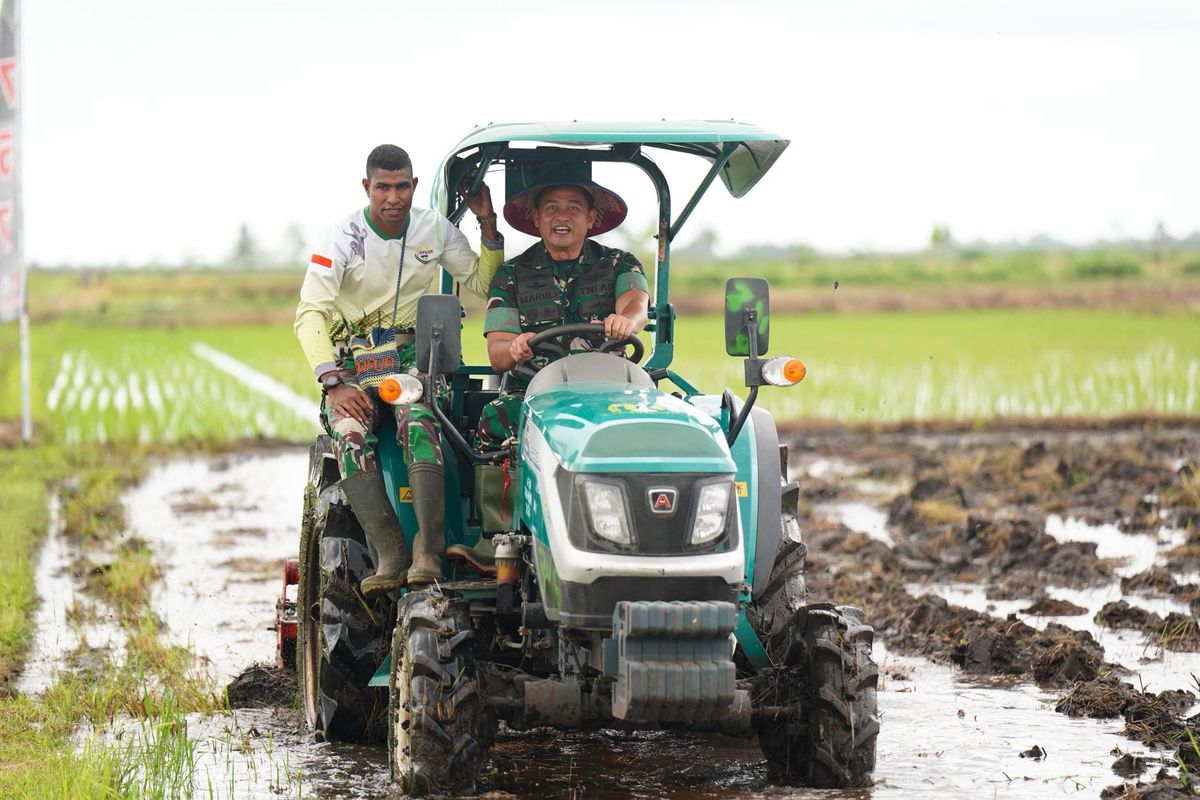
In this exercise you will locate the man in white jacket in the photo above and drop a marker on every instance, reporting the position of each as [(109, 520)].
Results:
[(366, 274)]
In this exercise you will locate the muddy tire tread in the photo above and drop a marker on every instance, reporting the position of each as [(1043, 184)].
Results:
[(785, 590), (439, 731), (826, 674), (334, 547)]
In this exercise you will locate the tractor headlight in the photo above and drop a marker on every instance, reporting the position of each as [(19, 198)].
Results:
[(608, 513), (712, 509)]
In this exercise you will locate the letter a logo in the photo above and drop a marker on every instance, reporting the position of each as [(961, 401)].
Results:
[(662, 501)]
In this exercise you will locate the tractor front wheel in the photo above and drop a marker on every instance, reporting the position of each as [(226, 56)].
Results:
[(438, 728), (824, 730)]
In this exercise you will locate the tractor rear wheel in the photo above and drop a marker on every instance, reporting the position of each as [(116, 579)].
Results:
[(825, 683), (339, 642), (439, 731)]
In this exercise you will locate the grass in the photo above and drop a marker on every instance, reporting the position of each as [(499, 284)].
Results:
[(40, 751), (1186, 489), (1189, 752), (940, 512), (21, 486)]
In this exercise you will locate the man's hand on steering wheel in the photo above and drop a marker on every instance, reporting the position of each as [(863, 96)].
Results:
[(618, 327), (544, 343), (519, 348)]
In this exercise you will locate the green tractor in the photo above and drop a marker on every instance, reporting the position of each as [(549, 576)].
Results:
[(648, 563)]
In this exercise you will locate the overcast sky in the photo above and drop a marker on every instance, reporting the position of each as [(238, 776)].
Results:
[(154, 128)]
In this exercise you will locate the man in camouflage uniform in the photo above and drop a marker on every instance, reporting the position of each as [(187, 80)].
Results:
[(365, 277), (565, 278)]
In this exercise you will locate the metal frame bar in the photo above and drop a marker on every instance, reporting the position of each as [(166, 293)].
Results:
[(662, 314), (718, 165)]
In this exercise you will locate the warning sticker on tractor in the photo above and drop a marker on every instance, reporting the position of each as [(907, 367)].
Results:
[(406, 494), (742, 489)]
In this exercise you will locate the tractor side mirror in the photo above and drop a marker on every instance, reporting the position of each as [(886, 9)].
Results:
[(439, 333), (747, 309)]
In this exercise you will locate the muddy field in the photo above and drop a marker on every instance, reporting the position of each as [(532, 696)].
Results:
[(1035, 593)]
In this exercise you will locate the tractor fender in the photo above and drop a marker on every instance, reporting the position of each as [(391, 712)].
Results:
[(770, 495)]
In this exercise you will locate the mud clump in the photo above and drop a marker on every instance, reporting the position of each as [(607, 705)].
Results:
[(1129, 765), (984, 645), (1175, 632), (1045, 606), (1036, 753), (1164, 788), (1119, 614), (1064, 656), (261, 686), (1103, 698), (944, 537), (1153, 719), (1154, 581)]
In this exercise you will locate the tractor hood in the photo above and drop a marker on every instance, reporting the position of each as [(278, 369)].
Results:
[(602, 427)]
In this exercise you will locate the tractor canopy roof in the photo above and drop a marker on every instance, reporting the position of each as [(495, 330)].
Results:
[(740, 154), (737, 153)]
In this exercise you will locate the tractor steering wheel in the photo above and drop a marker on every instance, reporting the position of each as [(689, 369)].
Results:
[(542, 343)]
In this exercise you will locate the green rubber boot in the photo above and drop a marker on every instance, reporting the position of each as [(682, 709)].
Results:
[(427, 480), (374, 511), (481, 557)]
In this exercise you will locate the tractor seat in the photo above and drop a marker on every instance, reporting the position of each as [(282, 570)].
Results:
[(593, 367)]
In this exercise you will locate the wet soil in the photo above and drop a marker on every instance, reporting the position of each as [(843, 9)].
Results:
[(262, 686), (1010, 574), (1000, 511)]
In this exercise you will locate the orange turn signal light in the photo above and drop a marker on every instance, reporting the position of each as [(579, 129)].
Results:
[(389, 390), (399, 389), (783, 371), (794, 370)]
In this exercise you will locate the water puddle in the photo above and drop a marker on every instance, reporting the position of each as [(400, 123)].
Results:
[(220, 529), (56, 637), (1137, 551), (940, 738), (839, 470), (862, 518), (943, 737)]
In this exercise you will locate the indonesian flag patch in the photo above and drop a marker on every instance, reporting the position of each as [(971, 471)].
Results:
[(321, 261)]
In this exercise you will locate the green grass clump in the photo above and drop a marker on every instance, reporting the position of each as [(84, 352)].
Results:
[(24, 519)]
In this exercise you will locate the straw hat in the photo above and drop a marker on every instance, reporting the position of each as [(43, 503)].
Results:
[(610, 208)]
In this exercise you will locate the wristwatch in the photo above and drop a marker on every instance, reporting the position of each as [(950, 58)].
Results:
[(331, 379)]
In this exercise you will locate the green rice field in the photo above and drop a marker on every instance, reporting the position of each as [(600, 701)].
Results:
[(968, 365), (164, 385)]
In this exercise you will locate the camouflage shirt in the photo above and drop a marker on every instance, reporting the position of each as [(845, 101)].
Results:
[(584, 289), (532, 291)]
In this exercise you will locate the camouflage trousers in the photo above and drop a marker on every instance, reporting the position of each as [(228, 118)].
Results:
[(498, 422), (354, 444)]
